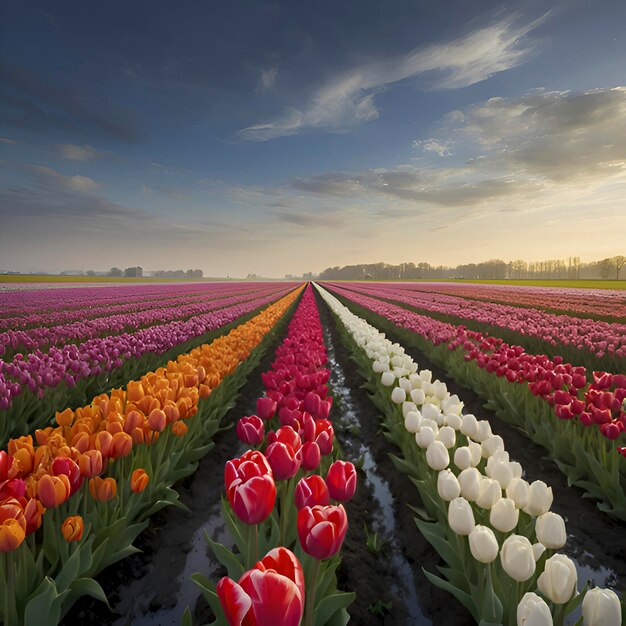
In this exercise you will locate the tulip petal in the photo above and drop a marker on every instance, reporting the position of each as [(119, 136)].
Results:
[(234, 600)]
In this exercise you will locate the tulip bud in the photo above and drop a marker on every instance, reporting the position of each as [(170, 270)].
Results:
[(452, 420), (432, 412), (157, 420), (265, 408), (139, 480), (311, 455), (461, 516), (251, 430), (418, 396), (483, 431), (53, 490), (469, 425), (470, 479), (398, 395), (437, 456), (72, 528), (517, 558), (311, 491), (533, 611), (503, 515), (425, 436), (463, 457), (601, 607), (550, 530), (539, 498), (341, 480), (489, 493), (412, 421), (476, 452), (321, 530), (448, 486), (483, 544), (102, 489), (407, 407), (492, 444), (517, 490), (499, 471), (387, 379), (538, 550), (447, 436), (558, 580)]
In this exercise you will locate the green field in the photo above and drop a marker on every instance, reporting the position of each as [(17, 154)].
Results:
[(46, 278), (575, 284)]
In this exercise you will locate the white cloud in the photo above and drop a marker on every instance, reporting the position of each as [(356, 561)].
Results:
[(82, 183), (267, 79), (77, 153), (348, 98), (442, 148)]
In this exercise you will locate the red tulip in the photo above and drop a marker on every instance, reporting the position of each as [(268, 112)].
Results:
[(324, 433), (250, 487), (611, 431), (5, 465), (270, 593), (602, 380), (286, 435), (265, 408), (251, 430), (64, 465), (12, 488), (311, 491), (283, 459), (312, 403), (341, 480), (322, 529), (311, 456)]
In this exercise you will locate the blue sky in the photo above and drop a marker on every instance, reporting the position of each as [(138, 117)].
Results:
[(285, 137)]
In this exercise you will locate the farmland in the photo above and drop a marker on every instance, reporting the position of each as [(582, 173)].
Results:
[(313, 453)]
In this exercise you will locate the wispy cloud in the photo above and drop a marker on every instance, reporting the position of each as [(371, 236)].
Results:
[(267, 79), (169, 192), (348, 99), (77, 153)]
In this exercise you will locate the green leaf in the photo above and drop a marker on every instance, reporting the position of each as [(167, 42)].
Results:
[(330, 605), (464, 598), (44, 606), (186, 620), (84, 587), (229, 560)]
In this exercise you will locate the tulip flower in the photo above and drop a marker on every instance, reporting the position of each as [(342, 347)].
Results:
[(6, 462), (463, 457), (311, 491), (72, 528), (102, 489), (550, 530), (265, 408), (461, 516), (12, 525), (66, 466), (387, 379), (341, 480), (251, 430), (412, 421), (425, 436), (558, 580), (539, 498), (447, 436), (179, 429), (324, 434), (483, 544), (270, 593), (250, 487), (437, 456), (469, 480), (448, 486), (489, 492), (322, 529), (517, 490), (517, 557), (157, 420), (601, 607), (398, 395), (139, 480), (90, 463), (53, 490), (504, 515), (533, 611), (33, 514), (311, 456)]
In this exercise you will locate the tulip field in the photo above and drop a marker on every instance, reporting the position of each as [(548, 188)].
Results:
[(312, 454)]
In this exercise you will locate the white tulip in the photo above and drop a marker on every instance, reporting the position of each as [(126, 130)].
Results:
[(469, 425), (425, 436), (491, 444), (447, 436), (550, 530), (407, 407), (503, 515), (426, 375), (379, 367), (452, 420), (387, 379), (412, 421), (483, 544), (428, 389), (539, 498), (448, 486), (398, 395), (441, 391), (461, 516), (516, 468), (396, 360), (500, 471), (489, 493), (418, 396), (601, 607), (430, 423), (517, 558), (500, 455), (483, 431), (415, 380), (538, 550), (437, 456), (431, 412), (470, 479), (476, 451), (434, 400), (558, 580), (401, 372), (517, 490), (533, 611), (463, 457), (405, 384)]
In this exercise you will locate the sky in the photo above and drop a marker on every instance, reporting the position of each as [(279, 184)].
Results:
[(277, 138)]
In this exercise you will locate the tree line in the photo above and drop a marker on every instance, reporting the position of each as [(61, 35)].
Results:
[(497, 269)]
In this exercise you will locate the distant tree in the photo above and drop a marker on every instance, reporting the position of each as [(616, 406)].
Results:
[(605, 267), (115, 271), (90, 273), (619, 262)]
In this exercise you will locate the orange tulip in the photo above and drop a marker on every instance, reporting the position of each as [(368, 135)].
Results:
[(11, 535), (179, 428), (33, 512), (139, 480), (72, 528), (103, 443), (53, 490), (90, 463), (102, 489), (121, 445), (134, 391), (157, 420), (65, 418), (134, 419)]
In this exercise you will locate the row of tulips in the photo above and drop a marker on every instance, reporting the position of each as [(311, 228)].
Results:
[(73, 500), (495, 531), (580, 423), (33, 388), (52, 307), (285, 496), (594, 303), (76, 332), (598, 337)]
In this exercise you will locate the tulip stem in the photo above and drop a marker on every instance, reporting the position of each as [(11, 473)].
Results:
[(283, 513), (9, 611), (253, 545), (310, 593)]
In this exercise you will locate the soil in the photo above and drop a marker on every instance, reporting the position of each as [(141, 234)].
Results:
[(153, 586)]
